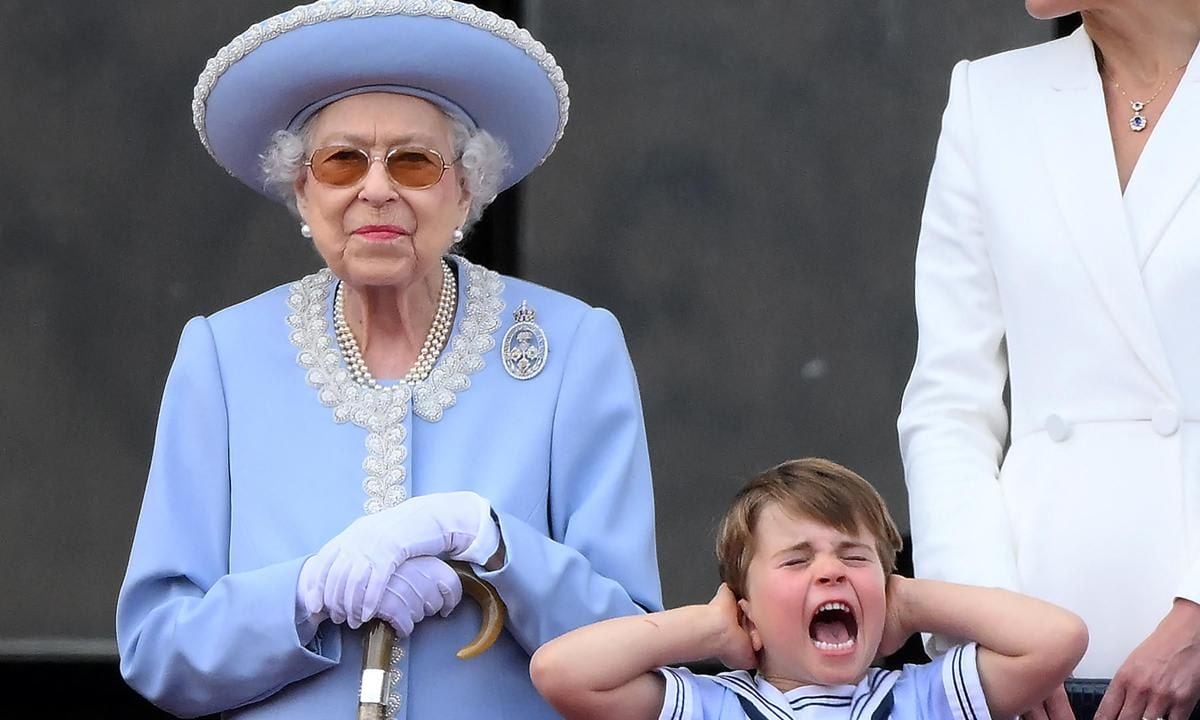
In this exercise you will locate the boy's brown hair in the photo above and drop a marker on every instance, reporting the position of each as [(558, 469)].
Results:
[(814, 488)]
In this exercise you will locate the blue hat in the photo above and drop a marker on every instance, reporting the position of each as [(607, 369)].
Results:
[(477, 66)]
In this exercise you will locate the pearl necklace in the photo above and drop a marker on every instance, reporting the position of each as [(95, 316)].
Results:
[(435, 341)]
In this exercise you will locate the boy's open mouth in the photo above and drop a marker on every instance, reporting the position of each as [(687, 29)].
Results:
[(833, 627)]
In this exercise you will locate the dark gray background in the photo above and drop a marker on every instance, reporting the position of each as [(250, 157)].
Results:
[(741, 183)]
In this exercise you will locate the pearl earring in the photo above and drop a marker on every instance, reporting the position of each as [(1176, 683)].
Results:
[(458, 235), (305, 230)]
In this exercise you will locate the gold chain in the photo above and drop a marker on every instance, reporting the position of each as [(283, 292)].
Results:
[(1138, 121), (1144, 103)]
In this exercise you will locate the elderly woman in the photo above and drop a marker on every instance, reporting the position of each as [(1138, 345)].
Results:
[(1058, 253), (325, 448)]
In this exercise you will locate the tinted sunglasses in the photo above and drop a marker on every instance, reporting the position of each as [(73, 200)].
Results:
[(415, 168)]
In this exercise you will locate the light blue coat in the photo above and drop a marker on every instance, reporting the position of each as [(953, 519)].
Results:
[(265, 450)]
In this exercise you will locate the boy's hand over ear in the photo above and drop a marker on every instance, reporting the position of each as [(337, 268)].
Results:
[(736, 649), (896, 631)]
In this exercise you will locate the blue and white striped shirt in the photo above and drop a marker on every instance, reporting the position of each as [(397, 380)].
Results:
[(946, 688)]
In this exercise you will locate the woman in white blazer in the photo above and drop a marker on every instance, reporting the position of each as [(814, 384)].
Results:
[(1060, 254)]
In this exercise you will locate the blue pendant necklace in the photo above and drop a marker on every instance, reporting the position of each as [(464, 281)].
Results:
[(1138, 121)]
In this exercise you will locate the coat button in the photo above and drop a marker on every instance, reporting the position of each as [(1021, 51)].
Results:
[(1165, 420), (1057, 428)]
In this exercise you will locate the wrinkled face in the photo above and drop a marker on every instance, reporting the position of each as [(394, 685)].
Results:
[(375, 232), (815, 600), (1049, 9)]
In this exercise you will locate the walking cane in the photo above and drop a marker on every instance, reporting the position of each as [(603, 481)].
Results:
[(377, 648)]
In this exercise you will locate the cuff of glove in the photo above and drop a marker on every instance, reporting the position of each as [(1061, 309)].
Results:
[(485, 544), (307, 627), (306, 622)]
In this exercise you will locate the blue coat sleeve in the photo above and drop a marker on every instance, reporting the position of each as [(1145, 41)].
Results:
[(194, 638), (600, 559)]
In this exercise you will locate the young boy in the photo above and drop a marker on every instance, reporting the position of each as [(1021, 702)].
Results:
[(808, 599)]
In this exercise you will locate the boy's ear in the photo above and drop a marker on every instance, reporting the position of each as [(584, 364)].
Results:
[(748, 625)]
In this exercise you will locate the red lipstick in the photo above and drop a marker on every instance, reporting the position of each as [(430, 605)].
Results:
[(380, 233)]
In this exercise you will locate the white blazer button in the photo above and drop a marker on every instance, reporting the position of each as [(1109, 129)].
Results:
[(1057, 428), (1165, 420)]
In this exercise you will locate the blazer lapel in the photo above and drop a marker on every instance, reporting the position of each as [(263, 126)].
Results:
[(1169, 168), (1079, 155)]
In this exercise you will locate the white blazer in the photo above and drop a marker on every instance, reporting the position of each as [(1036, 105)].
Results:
[(1032, 268)]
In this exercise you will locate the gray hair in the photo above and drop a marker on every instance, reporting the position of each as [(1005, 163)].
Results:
[(482, 157)]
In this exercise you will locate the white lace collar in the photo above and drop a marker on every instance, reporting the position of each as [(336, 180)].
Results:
[(480, 303)]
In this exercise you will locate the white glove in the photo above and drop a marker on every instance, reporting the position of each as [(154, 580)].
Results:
[(353, 569), (307, 620), (420, 587)]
